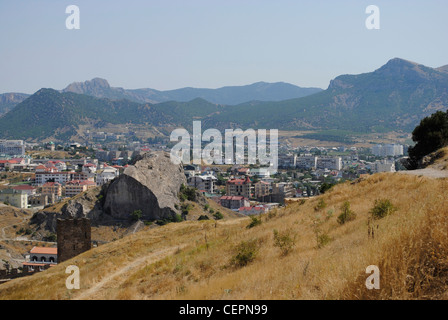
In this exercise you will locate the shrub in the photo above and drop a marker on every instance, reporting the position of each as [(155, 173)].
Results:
[(271, 214), (185, 208), (246, 252), (347, 214), (323, 239), (320, 205), (325, 187), (255, 222), (162, 222), (382, 208), (284, 241), (177, 218), (187, 193), (136, 215), (52, 237), (218, 215), (203, 217)]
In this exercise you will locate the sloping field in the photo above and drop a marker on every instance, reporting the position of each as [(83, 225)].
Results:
[(299, 252)]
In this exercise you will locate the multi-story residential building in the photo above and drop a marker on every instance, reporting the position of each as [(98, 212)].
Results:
[(261, 189), (306, 161), (60, 177), (74, 187), (331, 163), (15, 198), (105, 175), (52, 188), (285, 189), (239, 187), (89, 168), (234, 202), (287, 161), (383, 166), (82, 176), (12, 147), (388, 150), (203, 182), (30, 190), (59, 165)]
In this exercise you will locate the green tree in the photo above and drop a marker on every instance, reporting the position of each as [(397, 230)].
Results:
[(136, 215), (430, 135)]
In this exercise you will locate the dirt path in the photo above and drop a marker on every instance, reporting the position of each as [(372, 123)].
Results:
[(428, 172), (112, 280)]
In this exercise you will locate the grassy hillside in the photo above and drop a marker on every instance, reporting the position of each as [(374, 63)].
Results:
[(228, 260)]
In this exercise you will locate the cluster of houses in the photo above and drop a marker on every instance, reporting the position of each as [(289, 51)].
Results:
[(54, 179), (246, 190), (251, 190)]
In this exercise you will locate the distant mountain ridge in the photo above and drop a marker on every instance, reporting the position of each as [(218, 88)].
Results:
[(10, 100), (231, 95), (394, 97)]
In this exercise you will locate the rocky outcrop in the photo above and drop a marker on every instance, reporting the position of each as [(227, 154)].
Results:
[(151, 185), (85, 205)]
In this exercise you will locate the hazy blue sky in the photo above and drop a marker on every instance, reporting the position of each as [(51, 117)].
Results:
[(198, 43)]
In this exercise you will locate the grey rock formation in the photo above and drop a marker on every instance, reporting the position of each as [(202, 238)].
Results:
[(151, 185)]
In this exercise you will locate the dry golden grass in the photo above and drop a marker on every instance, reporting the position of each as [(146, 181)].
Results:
[(192, 260)]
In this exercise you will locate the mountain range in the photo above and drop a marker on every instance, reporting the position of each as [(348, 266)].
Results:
[(231, 95), (394, 97)]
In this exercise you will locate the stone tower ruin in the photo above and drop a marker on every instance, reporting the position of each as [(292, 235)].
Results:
[(74, 237)]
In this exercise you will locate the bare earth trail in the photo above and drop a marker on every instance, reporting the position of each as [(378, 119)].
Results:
[(428, 172), (113, 280)]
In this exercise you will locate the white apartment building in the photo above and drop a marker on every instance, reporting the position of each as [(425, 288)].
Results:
[(331, 163), (387, 150), (12, 147), (59, 177), (105, 175), (383, 166)]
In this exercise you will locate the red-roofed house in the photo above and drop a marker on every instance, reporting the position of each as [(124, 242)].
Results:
[(41, 258), (253, 210), (30, 190), (74, 187), (234, 202)]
